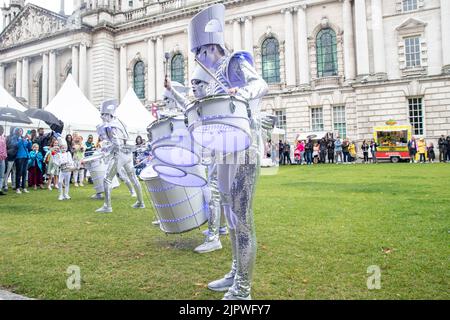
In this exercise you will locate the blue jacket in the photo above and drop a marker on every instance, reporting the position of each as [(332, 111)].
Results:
[(23, 146), (36, 158)]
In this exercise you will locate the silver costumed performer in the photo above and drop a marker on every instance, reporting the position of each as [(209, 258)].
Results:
[(117, 154), (237, 180), (200, 84)]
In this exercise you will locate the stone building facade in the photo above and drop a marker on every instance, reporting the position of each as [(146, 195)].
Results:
[(332, 65)]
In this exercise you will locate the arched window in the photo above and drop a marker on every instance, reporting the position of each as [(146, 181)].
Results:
[(139, 79), (326, 53), (271, 60), (177, 68)]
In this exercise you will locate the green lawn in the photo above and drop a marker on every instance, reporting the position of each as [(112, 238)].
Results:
[(319, 229)]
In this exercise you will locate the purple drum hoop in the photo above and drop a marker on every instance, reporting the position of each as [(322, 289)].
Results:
[(173, 163), (155, 167)]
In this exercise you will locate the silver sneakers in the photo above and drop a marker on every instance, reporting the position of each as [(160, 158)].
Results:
[(104, 209), (97, 196), (138, 205), (231, 296), (209, 246), (221, 285)]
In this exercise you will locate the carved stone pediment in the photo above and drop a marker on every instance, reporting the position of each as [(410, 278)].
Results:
[(32, 23), (411, 24)]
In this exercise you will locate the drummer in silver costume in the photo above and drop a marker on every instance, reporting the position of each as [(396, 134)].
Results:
[(117, 154), (237, 180), (200, 83)]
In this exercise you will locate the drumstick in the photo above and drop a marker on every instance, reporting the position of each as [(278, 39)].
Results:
[(225, 89)]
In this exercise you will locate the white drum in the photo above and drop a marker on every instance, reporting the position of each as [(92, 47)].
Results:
[(181, 176), (97, 168), (179, 209), (220, 123), (171, 142)]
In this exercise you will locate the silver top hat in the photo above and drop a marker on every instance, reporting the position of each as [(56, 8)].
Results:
[(207, 27), (109, 107)]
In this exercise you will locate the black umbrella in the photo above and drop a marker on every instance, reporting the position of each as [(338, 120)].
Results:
[(13, 115), (48, 117)]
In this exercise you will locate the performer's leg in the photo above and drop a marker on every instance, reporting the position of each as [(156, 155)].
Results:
[(124, 177), (212, 241), (242, 194), (111, 172), (129, 169)]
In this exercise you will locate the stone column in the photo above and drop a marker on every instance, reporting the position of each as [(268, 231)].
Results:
[(303, 57), (237, 38), (248, 32), (19, 78), (75, 63), (289, 47), (2, 75), (349, 44), (44, 80), (160, 63), (82, 69), (378, 37), (151, 83), (191, 65), (51, 75), (123, 71), (362, 45), (445, 30), (26, 79)]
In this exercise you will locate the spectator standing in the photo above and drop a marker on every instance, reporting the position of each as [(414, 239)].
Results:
[(338, 150), (287, 153), (373, 150), (323, 150), (412, 147), (78, 150), (301, 151), (431, 154), (35, 168), (443, 145), (281, 151), (352, 151), (448, 148), (316, 153), (21, 162), (365, 149), (52, 168), (3, 157), (11, 151), (90, 146), (330, 147), (309, 146), (69, 143), (422, 148), (345, 151)]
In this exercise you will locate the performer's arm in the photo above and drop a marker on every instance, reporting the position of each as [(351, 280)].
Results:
[(180, 100), (255, 87)]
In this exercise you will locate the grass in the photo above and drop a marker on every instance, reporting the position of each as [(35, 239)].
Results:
[(319, 229)]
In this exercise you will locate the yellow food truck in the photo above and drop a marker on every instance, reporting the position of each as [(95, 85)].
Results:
[(392, 140)]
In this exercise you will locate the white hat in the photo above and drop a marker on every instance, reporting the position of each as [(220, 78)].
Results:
[(200, 74), (207, 27), (109, 107)]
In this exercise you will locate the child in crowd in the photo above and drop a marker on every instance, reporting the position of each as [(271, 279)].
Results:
[(422, 148), (64, 161), (78, 155), (52, 168), (35, 168), (352, 151), (431, 154), (316, 152)]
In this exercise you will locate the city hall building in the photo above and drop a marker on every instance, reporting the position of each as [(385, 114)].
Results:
[(342, 66)]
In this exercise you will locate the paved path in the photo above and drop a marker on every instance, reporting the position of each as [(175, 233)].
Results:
[(5, 295)]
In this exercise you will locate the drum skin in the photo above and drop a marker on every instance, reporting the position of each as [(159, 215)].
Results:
[(97, 168), (179, 209), (220, 123)]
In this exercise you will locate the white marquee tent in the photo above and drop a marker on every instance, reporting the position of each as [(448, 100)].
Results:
[(74, 109), (134, 115)]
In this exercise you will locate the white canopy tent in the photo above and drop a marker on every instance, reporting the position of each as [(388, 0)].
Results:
[(133, 114), (74, 109), (7, 100)]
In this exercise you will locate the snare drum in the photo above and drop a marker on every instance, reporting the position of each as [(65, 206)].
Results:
[(179, 209), (220, 123), (171, 142)]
